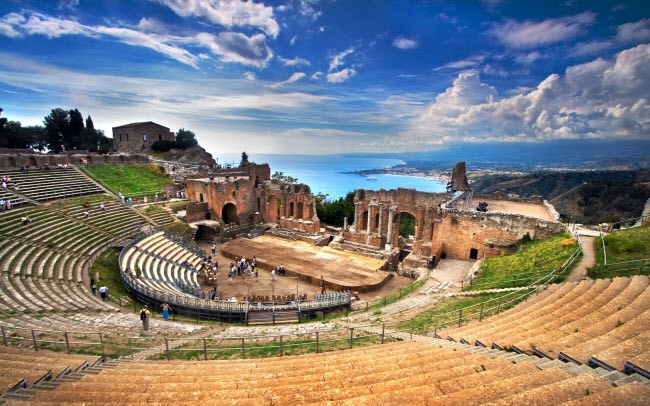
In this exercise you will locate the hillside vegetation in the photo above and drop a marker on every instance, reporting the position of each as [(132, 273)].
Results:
[(583, 197), (628, 253), (533, 260), (130, 180)]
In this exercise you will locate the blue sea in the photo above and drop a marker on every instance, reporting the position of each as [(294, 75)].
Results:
[(326, 173)]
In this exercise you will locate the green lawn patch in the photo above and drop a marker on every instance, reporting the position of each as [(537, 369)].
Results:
[(109, 274), (628, 253), (532, 260), (133, 181), (446, 313)]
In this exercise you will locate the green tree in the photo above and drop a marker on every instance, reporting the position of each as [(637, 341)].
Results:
[(89, 123), (406, 225), (57, 127), (185, 139), (244, 157), (281, 176), (334, 212)]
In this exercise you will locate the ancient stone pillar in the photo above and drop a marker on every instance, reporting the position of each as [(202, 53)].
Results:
[(345, 223), (380, 220), (389, 237), (369, 222)]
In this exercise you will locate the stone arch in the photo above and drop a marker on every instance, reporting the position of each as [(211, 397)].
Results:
[(376, 224), (299, 210), (229, 214), (473, 253), (272, 210), (12, 162), (259, 205), (201, 197), (32, 161), (51, 161), (291, 209), (403, 216)]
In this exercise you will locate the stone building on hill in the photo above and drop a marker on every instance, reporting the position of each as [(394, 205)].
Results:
[(136, 137)]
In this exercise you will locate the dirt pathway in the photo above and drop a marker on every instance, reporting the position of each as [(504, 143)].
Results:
[(588, 259)]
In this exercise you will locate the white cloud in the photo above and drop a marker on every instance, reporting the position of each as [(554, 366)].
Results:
[(528, 58), (293, 40), (634, 32), (320, 133), (306, 9), (229, 46), (529, 34), (494, 70), (228, 13), (337, 60), (404, 43), (236, 47), (341, 76), (294, 62), (317, 75), (598, 99), (249, 75), (293, 78), (69, 4), (466, 63), (590, 48)]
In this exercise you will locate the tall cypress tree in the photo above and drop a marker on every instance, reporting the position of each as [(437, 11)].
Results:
[(89, 123)]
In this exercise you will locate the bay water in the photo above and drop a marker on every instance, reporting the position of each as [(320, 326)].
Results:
[(326, 174)]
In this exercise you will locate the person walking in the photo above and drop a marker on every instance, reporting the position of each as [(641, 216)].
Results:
[(103, 292), (144, 316), (165, 311), (322, 284), (93, 287)]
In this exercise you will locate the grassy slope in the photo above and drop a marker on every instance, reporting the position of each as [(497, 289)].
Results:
[(623, 245), (532, 260), (130, 179)]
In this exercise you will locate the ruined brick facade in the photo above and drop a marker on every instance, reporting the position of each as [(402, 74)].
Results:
[(247, 194), (441, 229), (139, 136)]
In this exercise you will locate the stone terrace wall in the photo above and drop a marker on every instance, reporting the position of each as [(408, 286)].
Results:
[(490, 234), (11, 160)]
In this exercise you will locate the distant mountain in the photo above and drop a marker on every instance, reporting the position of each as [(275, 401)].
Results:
[(586, 197)]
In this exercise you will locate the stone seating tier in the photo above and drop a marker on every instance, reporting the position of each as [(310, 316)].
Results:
[(599, 322), (413, 373), (52, 184)]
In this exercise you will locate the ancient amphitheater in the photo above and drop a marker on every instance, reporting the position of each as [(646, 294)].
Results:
[(575, 343)]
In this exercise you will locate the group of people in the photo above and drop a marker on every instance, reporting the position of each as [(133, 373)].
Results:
[(241, 267), (208, 270), (5, 204)]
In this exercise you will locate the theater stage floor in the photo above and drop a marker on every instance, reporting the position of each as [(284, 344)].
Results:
[(341, 270)]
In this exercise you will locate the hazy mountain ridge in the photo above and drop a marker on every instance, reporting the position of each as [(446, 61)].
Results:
[(586, 197)]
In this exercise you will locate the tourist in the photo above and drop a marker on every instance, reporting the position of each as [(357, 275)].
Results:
[(102, 206), (2, 204), (322, 284), (26, 220), (103, 293), (273, 274), (253, 263), (93, 287), (144, 316), (8, 204), (121, 196), (281, 269), (214, 249), (165, 311), (86, 214)]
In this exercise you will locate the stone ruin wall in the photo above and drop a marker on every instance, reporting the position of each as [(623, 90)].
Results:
[(255, 197), (442, 230), (491, 234), (14, 159)]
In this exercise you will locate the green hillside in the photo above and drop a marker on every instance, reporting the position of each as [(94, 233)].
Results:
[(130, 180), (628, 253)]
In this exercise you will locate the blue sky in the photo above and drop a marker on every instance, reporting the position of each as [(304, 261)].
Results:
[(330, 76)]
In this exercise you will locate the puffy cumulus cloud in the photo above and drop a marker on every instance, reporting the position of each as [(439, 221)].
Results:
[(236, 47), (294, 62), (338, 59), (228, 13), (293, 78), (530, 34), (249, 75), (149, 33), (341, 76), (317, 75), (405, 44), (598, 99), (634, 32)]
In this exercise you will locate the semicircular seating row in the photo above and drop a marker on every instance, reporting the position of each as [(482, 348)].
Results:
[(407, 372), (161, 261), (42, 263), (53, 184), (596, 322)]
